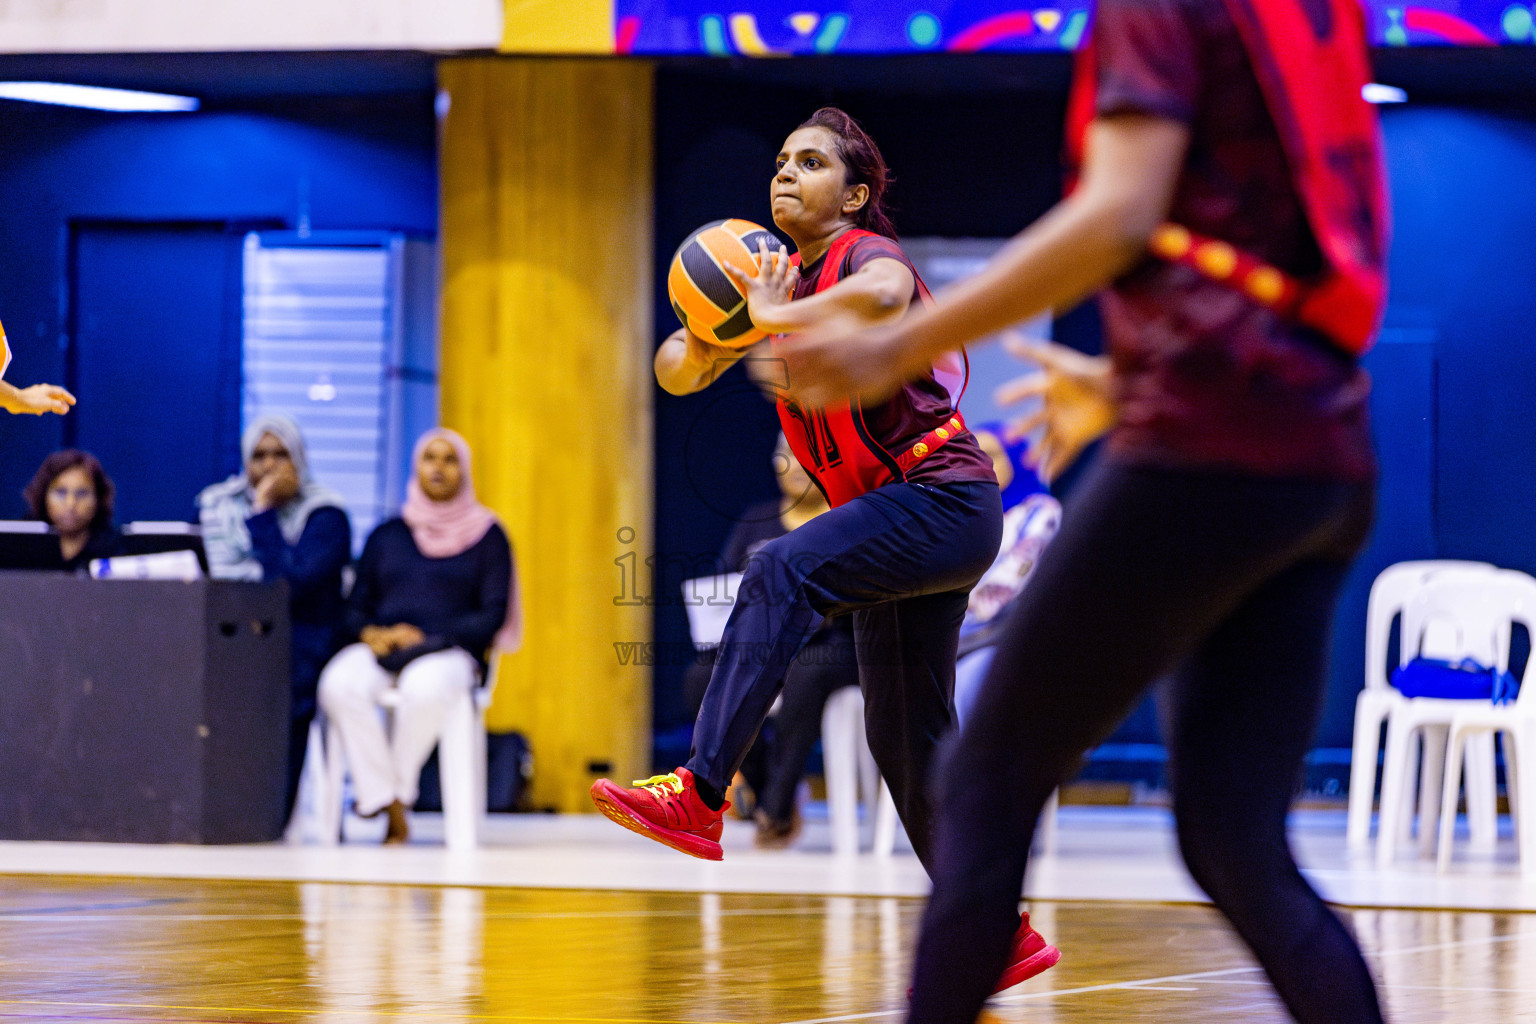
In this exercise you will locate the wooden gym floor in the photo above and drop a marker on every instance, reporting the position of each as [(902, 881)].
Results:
[(107, 949), (570, 919)]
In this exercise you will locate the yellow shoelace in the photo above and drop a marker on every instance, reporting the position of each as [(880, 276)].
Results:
[(659, 784)]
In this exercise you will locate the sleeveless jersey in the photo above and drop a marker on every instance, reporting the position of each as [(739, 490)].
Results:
[(1311, 68), (838, 446)]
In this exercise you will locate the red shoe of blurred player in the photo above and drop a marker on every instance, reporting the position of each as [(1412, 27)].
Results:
[(1031, 955)]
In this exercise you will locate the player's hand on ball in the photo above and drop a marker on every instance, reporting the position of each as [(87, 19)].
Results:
[(708, 359), (1077, 402), (36, 400), (770, 291)]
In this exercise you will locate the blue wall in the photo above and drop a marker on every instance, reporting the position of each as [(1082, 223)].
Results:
[(333, 163), (1455, 370), (1464, 269)]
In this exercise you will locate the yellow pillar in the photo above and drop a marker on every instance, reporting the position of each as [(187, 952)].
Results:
[(546, 354)]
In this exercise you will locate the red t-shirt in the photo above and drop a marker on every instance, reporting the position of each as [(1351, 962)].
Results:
[(1207, 377), (921, 405)]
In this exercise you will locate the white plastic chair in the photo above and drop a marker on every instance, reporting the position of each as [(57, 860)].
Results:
[(1511, 597), (849, 768), (1452, 615), (1389, 596), (709, 601), (461, 762)]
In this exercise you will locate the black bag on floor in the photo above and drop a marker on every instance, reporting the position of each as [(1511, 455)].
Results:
[(509, 770)]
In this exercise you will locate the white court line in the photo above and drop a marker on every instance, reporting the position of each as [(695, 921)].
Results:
[(1179, 988), (1478, 989), (1024, 997), (873, 1015), (1487, 940)]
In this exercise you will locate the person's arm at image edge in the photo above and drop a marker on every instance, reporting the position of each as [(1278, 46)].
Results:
[(1076, 248), (35, 400)]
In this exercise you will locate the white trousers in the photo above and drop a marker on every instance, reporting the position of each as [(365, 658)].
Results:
[(386, 767)]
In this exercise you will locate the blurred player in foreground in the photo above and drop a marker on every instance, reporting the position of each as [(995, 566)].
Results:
[(1231, 203)]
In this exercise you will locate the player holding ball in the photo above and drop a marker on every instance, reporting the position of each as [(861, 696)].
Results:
[(915, 514)]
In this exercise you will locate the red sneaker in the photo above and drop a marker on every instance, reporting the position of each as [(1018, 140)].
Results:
[(1031, 955), (666, 808)]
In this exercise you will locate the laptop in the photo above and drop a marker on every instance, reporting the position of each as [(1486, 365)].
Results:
[(152, 537), (28, 544)]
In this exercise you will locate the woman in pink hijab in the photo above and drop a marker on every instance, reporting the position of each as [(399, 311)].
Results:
[(435, 592)]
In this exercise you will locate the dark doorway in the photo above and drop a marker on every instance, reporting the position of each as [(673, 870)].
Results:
[(155, 358)]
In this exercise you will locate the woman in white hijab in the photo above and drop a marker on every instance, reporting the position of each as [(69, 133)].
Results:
[(277, 480), (274, 522)]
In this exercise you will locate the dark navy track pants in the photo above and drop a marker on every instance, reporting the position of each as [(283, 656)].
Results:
[(902, 559)]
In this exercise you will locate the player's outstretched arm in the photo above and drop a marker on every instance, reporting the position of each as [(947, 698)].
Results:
[(35, 400), (1080, 245), (686, 363)]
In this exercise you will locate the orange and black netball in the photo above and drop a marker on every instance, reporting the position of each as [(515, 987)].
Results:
[(703, 295)]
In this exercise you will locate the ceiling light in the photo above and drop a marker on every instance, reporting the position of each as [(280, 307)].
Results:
[(94, 98), (1375, 92)]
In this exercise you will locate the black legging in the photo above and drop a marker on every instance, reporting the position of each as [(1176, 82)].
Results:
[(901, 559), (1225, 582)]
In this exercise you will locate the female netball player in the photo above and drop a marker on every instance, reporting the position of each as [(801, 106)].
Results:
[(1210, 539), (915, 520)]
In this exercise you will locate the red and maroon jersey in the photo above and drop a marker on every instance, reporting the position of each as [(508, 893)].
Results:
[(916, 435), (1208, 377)]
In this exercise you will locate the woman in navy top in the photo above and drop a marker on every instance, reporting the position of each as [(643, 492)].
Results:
[(434, 594), (275, 522)]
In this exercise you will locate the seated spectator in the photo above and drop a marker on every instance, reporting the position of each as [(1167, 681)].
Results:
[(434, 593), (73, 494), (776, 764), (1030, 519), (273, 522)]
